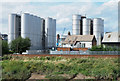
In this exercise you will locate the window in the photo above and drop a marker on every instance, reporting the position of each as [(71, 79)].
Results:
[(109, 36), (83, 45)]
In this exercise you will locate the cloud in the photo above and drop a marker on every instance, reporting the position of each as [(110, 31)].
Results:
[(63, 20), (63, 11), (54, 0)]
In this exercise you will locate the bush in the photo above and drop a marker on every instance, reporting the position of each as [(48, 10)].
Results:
[(6, 57), (5, 48), (101, 68), (20, 45), (14, 70), (102, 48)]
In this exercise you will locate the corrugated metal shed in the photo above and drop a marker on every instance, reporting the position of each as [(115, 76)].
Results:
[(111, 37)]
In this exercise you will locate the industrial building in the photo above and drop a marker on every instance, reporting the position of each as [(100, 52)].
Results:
[(86, 32), (79, 41), (35, 28), (87, 26), (111, 39)]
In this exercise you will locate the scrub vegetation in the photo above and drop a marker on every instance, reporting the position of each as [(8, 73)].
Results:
[(21, 67), (20, 45), (104, 48)]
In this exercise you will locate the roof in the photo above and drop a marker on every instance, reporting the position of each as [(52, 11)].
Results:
[(111, 37), (72, 39)]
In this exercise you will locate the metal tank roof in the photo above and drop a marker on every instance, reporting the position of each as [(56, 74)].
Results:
[(76, 16)]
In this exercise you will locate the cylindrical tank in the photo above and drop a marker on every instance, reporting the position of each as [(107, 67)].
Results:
[(40, 30), (11, 25), (97, 24), (76, 24), (102, 27), (54, 33), (48, 24), (25, 25), (97, 29), (31, 27), (86, 26)]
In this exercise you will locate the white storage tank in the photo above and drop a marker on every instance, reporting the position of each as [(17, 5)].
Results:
[(25, 25), (76, 24), (48, 26), (11, 25), (102, 27), (98, 29), (54, 32), (86, 26), (14, 22), (31, 27)]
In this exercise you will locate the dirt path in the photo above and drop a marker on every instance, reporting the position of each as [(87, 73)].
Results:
[(35, 76)]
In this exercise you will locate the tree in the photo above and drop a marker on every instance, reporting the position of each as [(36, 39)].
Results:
[(5, 47), (20, 45)]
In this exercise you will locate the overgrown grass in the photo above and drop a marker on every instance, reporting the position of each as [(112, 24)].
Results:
[(18, 67)]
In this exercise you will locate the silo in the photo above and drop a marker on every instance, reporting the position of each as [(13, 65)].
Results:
[(31, 30), (25, 25), (35, 33), (14, 23), (40, 33), (76, 24), (97, 29), (11, 24), (43, 33), (86, 26), (17, 26), (102, 27), (48, 24), (54, 32)]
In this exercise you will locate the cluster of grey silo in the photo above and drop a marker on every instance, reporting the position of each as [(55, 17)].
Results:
[(87, 26), (33, 27)]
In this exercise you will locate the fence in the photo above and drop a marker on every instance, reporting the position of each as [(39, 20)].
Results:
[(86, 52), (73, 52), (35, 52)]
